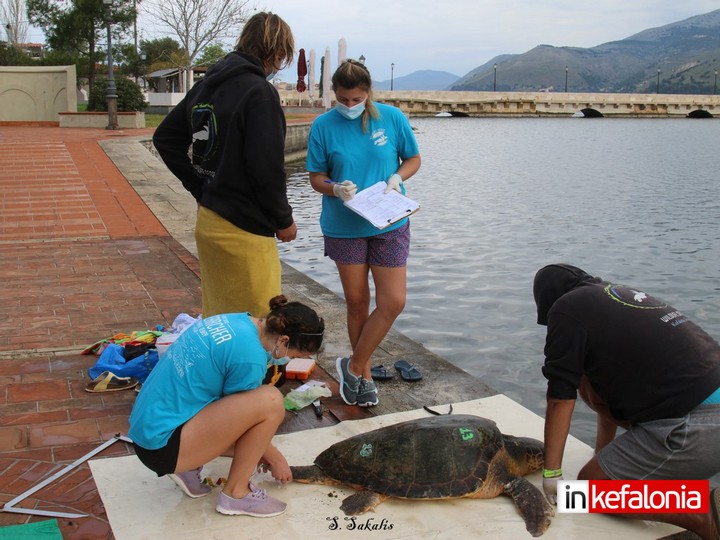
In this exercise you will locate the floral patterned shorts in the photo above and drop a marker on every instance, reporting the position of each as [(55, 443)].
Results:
[(389, 250)]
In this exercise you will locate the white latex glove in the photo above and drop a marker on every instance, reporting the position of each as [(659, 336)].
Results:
[(345, 190), (394, 182), (550, 489)]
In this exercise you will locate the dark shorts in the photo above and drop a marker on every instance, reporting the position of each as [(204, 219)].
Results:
[(163, 460), (389, 250)]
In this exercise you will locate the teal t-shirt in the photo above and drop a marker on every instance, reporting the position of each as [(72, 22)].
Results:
[(338, 146), (215, 357)]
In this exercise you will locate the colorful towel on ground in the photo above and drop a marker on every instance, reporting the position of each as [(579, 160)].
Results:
[(137, 337)]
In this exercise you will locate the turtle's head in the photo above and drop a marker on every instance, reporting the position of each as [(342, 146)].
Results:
[(526, 455)]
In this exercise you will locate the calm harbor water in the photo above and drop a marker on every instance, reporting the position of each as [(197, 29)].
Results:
[(633, 201)]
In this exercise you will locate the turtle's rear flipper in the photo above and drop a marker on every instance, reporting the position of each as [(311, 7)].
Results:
[(531, 504), (361, 502)]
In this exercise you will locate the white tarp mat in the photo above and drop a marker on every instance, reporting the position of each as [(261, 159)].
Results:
[(140, 505)]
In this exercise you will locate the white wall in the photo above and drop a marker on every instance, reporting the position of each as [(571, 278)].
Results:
[(37, 94)]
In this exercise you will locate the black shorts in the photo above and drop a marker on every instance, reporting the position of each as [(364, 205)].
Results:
[(163, 460)]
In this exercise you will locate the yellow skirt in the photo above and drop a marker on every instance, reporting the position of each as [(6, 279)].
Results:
[(239, 271)]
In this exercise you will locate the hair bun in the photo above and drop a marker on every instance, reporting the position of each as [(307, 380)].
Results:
[(278, 302)]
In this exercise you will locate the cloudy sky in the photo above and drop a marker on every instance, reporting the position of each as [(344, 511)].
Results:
[(459, 35)]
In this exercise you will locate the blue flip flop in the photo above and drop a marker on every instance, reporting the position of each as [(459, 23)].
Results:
[(381, 373), (408, 372)]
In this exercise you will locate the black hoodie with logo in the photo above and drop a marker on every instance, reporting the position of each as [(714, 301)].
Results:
[(233, 123), (642, 356)]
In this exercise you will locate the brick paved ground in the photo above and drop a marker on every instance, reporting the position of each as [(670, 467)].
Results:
[(81, 258)]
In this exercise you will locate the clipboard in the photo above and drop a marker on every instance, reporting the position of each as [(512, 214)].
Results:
[(380, 208)]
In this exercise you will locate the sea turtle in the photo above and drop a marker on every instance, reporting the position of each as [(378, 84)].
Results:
[(440, 457)]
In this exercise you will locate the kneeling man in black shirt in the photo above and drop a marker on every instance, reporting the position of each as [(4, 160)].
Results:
[(641, 365)]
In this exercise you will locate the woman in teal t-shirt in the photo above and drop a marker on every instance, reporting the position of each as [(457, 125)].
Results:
[(207, 396), (350, 148)]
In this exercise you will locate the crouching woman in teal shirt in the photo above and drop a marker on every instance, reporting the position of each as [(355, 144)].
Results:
[(207, 396)]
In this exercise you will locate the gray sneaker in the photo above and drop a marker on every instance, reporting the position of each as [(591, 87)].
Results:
[(257, 503), (367, 394), (191, 483), (349, 383)]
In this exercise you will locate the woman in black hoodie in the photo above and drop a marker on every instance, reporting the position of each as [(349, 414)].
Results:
[(233, 123)]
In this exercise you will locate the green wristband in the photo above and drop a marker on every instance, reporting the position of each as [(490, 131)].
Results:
[(552, 473)]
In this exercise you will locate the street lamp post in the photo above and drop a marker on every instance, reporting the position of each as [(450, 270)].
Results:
[(494, 77), (715, 88), (143, 59), (657, 88), (392, 74), (111, 89), (566, 76)]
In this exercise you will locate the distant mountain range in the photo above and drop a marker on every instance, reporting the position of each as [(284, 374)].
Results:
[(419, 80), (678, 58)]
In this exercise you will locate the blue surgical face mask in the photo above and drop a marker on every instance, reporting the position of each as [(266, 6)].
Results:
[(272, 361), (351, 113), (272, 75)]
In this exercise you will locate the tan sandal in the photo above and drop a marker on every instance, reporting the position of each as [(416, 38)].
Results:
[(109, 382)]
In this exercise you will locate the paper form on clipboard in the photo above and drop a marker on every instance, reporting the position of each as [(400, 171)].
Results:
[(380, 208)]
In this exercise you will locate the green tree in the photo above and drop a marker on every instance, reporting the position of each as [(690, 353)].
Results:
[(130, 96), (161, 53), (210, 55), (157, 50), (79, 26), (128, 60), (13, 56)]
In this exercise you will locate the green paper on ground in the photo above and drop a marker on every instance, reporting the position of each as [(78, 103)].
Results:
[(40, 530)]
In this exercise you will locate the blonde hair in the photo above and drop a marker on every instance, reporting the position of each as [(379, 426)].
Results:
[(353, 74), (268, 37)]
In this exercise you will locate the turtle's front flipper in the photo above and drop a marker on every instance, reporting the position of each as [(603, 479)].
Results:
[(361, 502), (531, 504)]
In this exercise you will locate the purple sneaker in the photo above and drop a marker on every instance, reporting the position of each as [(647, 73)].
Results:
[(191, 483), (257, 503)]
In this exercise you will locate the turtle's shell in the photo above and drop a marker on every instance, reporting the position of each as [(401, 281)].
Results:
[(428, 458)]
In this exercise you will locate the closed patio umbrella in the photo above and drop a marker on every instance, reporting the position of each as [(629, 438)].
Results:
[(326, 101), (311, 74), (302, 71), (342, 51)]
